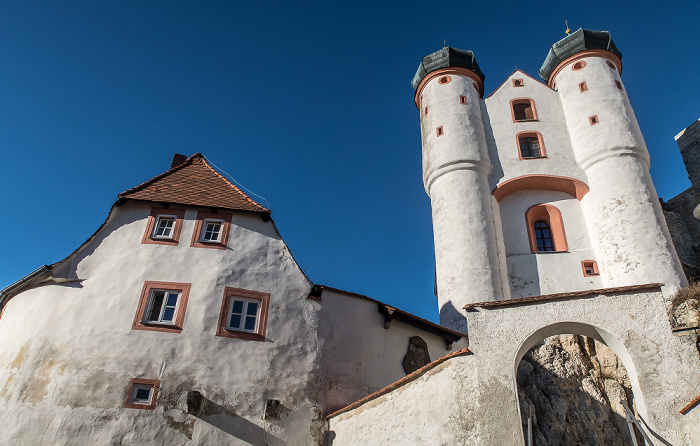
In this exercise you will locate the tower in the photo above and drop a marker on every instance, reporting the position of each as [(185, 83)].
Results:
[(448, 89), (622, 210)]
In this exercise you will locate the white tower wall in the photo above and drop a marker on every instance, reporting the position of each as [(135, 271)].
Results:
[(622, 209), (455, 174)]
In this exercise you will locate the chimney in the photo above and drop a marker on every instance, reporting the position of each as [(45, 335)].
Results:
[(178, 159)]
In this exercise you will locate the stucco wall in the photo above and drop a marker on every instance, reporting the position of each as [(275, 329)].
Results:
[(68, 351), (532, 274), (359, 355)]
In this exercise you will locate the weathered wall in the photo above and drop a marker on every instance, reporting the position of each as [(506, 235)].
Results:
[(689, 144), (360, 356), (439, 408), (68, 351)]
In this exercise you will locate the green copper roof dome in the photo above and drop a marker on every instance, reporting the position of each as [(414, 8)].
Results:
[(576, 42), (446, 58)]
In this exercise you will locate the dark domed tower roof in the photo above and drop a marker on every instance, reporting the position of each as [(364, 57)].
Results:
[(446, 58), (574, 43)]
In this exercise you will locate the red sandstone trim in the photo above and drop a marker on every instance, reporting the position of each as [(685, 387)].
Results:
[(575, 188), (593, 264), (439, 131), (589, 53), (518, 83), (184, 288), (582, 87), (552, 215), (593, 120), (478, 85), (444, 80), (150, 226), (580, 65), (225, 229), (403, 381), (690, 405), (538, 135), (562, 296), (230, 292), (148, 382), (463, 100), (523, 101)]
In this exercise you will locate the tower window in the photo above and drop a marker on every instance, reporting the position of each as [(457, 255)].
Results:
[(543, 236), (590, 268), (582, 87), (445, 80), (593, 119), (545, 229), (579, 65), (523, 110), (463, 100), (618, 85), (530, 145), (518, 83), (426, 111), (439, 131), (611, 65)]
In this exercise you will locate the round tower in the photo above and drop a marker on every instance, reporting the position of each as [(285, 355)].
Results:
[(622, 209), (448, 89)]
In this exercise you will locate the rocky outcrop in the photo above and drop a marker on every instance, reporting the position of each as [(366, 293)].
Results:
[(573, 387)]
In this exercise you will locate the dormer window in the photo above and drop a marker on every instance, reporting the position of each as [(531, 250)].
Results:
[(211, 230), (530, 145), (163, 226), (523, 110)]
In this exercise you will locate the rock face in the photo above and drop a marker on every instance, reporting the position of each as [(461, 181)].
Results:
[(573, 387)]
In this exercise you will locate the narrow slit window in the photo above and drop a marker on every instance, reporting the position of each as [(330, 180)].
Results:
[(618, 85), (440, 132), (582, 87), (463, 100), (426, 111), (543, 236)]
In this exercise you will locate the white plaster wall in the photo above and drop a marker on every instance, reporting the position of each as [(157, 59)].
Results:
[(627, 227), (68, 351), (439, 408), (359, 355), (455, 169), (501, 133), (547, 272)]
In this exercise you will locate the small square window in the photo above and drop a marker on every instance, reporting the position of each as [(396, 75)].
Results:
[(582, 87), (518, 83), (463, 100), (162, 307), (590, 268), (142, 394), (164, 226), (243, 314), (593, 119), (211, 230)]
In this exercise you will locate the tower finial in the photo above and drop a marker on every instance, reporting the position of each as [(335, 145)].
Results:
[(444, 43), (568, 31)]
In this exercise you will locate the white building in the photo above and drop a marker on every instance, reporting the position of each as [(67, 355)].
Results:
[(185, 320)]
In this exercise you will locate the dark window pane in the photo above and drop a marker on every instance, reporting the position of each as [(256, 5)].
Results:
[(172, 299), (235, 321), (522, 111), (252, 309), (237, 307), (157, 305), (168, 314), (250, 323), (143, 394)]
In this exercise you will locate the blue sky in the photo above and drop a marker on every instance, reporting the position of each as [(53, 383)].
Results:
[(308, 104)]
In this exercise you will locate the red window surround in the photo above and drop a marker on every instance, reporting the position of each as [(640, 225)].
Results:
[(463, 100), (593, 120), (582, 87), (231, 294), (552, 216), (439, 131), (179, 317), (199, 227), (518, 83), (153, 383), (590, 268), (149, 236), (522, 140), (523, 110)]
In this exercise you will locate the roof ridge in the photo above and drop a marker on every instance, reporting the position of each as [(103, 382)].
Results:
[(187, 162)]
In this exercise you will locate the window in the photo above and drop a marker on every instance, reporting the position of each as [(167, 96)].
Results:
[(164, 226), (439, 131), (590, 268), (593, 119), (618, 85), (611, 65), (582, 87), (579, 65), (142, 394), (523, 109), (530, 145), (543, 236), (211, 230), (518, 83), (426, 111), (463, 100), (445, 80), (162, 307), (545, 229), (243, 314)]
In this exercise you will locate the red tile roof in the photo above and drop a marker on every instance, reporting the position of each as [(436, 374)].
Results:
[(562, 296), (403, 381), (194, 183)]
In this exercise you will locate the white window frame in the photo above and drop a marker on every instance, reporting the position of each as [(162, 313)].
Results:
[(163, 307), (134, 390), (245, 301), (172, 227), (207, 221)]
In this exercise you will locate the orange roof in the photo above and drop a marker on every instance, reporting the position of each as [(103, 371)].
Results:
[(194, 183)]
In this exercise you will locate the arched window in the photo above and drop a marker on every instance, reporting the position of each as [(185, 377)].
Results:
[(543, 236), (545, 229), (523, 110), (530, 145)]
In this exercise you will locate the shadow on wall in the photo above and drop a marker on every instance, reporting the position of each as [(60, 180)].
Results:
[(227, 420), (451, 317), (573, 389)]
